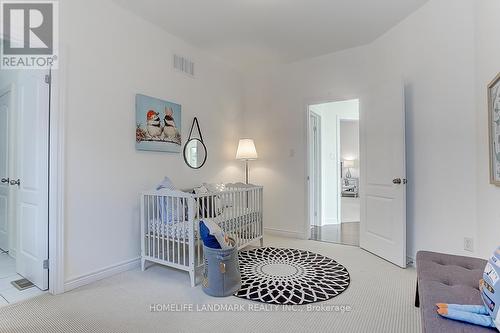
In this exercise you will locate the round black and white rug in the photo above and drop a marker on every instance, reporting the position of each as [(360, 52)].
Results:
[(290, 276)]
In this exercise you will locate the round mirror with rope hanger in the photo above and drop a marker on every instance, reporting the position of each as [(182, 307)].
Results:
[(195, 151)]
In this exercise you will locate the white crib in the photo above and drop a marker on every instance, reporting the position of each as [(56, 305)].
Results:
[(170, 223)]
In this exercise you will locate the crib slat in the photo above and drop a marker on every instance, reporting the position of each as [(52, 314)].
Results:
[(240, 219), (153, 226), (163, 226), (227, 210), (203, 211), (183, 233), (246, 215), (148, 219), (233, 215), (238, 213), (160, 227), (178, 235), (143, 239), (168, 224), (187, 231), (261, 211), (211, 206), (173, 234), (251, 213), (254, 216), (197, 212), (157, 229)]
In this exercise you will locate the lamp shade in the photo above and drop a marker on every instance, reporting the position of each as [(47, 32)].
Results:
[(348, 164), (246, 150)]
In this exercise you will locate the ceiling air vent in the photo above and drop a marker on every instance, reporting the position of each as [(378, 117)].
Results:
[(184, 65)]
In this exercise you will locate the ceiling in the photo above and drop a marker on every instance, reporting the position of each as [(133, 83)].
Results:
[(249, 33)]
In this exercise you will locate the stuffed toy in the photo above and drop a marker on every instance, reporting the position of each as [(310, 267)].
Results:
[(485, 315)]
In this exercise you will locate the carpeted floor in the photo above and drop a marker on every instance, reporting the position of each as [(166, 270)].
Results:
[(379, 299)]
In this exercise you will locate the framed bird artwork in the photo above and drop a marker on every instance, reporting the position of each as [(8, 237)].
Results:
[(158, 125)]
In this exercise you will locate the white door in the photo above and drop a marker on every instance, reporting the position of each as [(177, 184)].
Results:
[(5, 98), (383, 172), (32, 173), (315, 168)]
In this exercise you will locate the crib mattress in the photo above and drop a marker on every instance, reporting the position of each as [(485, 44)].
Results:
[(239, 224)]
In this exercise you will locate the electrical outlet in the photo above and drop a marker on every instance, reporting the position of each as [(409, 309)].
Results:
[(469, 244)]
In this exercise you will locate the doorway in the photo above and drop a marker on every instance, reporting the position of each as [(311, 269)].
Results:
[(334, 172), (379, 113), (24, 186)]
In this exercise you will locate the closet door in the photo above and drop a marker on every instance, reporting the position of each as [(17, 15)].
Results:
[(32, 172)]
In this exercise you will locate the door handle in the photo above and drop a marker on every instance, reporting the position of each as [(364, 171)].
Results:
[(15, 182), (399, 181), (5, 180)]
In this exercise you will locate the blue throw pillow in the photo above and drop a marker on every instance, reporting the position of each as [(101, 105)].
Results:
[(208, 239)]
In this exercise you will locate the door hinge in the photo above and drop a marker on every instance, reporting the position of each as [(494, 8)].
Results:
[(48, 79), (46, 264)]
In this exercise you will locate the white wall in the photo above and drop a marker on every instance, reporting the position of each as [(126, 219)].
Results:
[(111, 55), (433, 50), (488, 65), (330, 113)]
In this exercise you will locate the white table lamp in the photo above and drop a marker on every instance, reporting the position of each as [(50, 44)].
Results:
[(348, 164), (246, 152)]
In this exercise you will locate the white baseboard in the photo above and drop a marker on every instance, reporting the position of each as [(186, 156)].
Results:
[(285, 233), (102, 274)]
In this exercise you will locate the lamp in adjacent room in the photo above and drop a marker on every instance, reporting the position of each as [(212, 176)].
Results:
[(246, 152), (348, 164)]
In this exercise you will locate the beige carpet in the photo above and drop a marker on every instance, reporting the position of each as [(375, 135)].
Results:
[(380, 296)]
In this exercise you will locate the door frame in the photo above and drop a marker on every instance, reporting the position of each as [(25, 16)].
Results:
[(312, 204), (57, 174), (56, 183), (329, 98)]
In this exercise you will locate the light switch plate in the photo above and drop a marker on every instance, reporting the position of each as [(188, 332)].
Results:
[(469, 244)]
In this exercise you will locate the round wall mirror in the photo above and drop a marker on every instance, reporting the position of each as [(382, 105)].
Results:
[(195, 153)]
